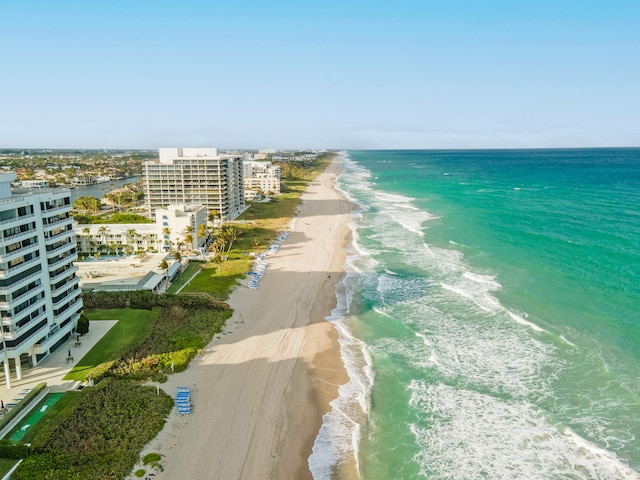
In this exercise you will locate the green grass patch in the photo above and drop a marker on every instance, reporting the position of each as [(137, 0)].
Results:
[(151, 458), (6, 464), (183, 278), (132, 327), (218, 281)]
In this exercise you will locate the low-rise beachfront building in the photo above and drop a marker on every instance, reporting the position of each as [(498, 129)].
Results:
[(40, 300), (195, 176), (177, 227), (118, 238), (183, 226), (261, 177)]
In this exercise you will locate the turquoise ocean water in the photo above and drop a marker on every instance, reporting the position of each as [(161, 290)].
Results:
[(490, 316)]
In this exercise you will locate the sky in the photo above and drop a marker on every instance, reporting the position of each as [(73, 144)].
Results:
[(424, 74)]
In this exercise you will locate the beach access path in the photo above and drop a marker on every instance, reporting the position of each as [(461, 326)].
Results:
[(260, 389)]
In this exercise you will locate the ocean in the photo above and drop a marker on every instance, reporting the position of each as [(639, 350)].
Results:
[(489, 318)]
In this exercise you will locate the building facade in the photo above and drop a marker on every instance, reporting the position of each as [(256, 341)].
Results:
[(182, 226), (177, 227), (261, 177), (40, 300), (195, 176)]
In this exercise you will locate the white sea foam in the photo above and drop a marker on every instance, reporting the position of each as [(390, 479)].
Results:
[(485, 301), (467, 434), (339, 437), (393, 197), (433, 357), (413, 221), (478, 349), (488, 280), (522, 321)]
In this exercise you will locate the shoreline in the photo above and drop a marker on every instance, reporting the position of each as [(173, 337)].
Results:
[(260, 390)]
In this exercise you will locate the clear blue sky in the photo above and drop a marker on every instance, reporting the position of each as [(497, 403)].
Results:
[(334, 74)]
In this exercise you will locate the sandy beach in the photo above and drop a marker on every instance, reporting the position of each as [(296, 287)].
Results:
[(260, 390)]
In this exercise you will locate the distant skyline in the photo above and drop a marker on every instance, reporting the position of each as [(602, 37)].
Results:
[(350, 75)]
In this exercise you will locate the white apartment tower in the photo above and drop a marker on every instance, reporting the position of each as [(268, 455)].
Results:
[(39, 293), (195, 176)]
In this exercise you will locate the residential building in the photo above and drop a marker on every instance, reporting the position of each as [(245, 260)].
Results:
[(181, 225), (195, 176), (118, 238), (261, 177), (32, 184), (40, 299), (177, 227)]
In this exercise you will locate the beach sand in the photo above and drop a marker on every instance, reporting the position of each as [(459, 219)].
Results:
[(260, 390)]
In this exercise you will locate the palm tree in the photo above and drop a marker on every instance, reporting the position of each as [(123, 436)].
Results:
[(85, 238), (131, 235), (103, 230), (230, 235), (202, 231), (164, 265), (213, 214), (147, 241), (167, 240), (188, 239)]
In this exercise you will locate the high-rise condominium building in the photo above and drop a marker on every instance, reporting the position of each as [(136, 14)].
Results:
[(39, 294), (195, 176)]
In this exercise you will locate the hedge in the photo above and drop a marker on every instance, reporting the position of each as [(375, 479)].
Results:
[(147, 300), (100, 436), (12, 451)]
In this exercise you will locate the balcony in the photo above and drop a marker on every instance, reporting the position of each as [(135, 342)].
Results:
[(60, 209), (63, 261), (60, 249), (52, 338), (66, 299), (70, 310), (8, 273), (20, 298), (67, 284), (19, 283), (61, 221), (38, 333), (59, 236), (65, 273), (16, 237), (7, 257), (18, 220)]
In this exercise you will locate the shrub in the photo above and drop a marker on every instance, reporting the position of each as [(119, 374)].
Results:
[(101, 371), (13, 451), (100, 435), (83, 325)]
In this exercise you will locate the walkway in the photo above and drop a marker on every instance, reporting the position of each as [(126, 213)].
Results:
[(54, 367)]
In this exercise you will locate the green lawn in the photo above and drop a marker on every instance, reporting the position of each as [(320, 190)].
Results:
[(132, 326), (6, 464), (219, 286), (193, 268)]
